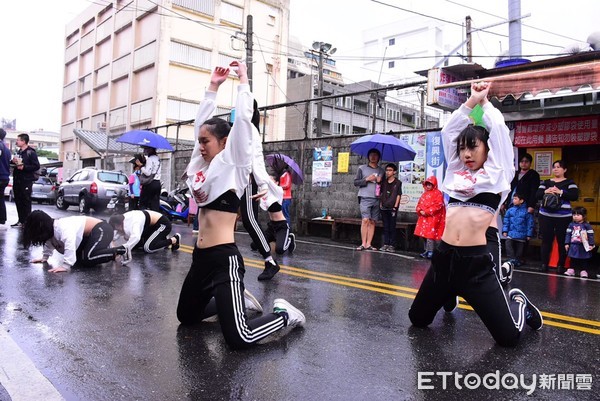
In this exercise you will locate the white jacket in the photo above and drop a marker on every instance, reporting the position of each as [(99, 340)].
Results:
[(68, 234), (230, 169), (498, 170)]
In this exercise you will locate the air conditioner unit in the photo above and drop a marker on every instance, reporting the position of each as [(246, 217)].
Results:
[(101, 125)]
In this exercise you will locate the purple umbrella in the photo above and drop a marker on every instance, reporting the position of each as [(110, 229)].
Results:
[(279, 162), (392, 149)]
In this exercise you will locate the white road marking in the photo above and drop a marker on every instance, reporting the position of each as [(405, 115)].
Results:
[(20, 377)]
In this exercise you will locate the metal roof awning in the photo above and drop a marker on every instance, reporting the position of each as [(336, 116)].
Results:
[(98, 142), (579, 73)]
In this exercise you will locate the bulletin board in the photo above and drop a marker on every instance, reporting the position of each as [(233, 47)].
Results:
[(543, 159)]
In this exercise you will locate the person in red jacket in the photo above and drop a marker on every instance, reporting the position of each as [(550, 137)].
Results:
[(432, 216), (285, 182)]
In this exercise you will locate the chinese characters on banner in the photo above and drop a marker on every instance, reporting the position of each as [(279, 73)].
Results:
[(322, 167), (557, 132), (428, 161), (343, 162)]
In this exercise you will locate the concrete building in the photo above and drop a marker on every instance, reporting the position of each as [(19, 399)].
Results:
[(139, 63), (344, 115), (393, 52)]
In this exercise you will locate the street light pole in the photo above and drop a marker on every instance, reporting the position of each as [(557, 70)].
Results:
[(323, 49), (320, 94)]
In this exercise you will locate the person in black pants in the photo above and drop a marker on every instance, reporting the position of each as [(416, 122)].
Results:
[(150, 195), (476, 180), (4, 175), (554, 222), (26, 164)]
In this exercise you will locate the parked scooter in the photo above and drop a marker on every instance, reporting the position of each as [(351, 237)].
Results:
[(119, 203), (175, 204)]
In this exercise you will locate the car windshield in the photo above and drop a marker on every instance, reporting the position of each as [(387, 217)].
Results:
[(114, 178), (44, 181)]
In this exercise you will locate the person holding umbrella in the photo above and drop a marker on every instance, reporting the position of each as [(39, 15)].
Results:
[(217, 175), (150, 171), (368, 179)]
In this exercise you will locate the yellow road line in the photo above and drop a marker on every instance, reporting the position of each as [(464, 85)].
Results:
[(550, 319)]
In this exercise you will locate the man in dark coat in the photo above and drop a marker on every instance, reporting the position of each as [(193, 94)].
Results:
[(526, 182), (4, 175), (26, 165)]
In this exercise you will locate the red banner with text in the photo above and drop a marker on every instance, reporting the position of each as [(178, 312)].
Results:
[(569, 131)]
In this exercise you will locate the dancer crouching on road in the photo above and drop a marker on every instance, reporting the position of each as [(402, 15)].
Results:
[(478, 177), (81, 239), (218, 175), (146, 228)]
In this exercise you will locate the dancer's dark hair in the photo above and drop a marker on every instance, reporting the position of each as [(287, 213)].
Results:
[(39, 228)]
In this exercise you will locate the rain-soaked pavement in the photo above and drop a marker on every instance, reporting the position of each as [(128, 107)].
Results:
[(111, 333)]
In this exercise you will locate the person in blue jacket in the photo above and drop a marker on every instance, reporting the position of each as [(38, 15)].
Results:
[(517, 229)]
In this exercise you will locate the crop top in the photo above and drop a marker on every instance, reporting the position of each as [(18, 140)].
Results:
[(227, 202), (229, 169), (498, 170), (485, 200)]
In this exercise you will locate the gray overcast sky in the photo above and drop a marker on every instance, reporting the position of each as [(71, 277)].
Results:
[(31, 71)]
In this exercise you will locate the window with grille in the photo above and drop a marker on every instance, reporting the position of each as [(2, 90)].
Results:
[(202, 6), (190, 55)]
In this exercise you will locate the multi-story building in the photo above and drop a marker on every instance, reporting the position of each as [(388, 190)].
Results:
[(139, 63), (352, 114)]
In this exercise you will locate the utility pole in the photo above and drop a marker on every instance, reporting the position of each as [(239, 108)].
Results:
[(249, 45), (374, 96), (320, 94), (469, 39)]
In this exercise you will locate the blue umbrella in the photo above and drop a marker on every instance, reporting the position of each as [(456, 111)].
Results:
[(392, 149), (145, 138)]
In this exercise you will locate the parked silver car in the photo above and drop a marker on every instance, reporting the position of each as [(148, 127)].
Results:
[(90, 188), (44, 190)]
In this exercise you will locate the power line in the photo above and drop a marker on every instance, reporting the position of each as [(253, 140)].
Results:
[(502, 18), (456, 23)]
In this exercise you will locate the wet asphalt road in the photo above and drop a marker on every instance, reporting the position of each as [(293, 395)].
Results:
[(111, 332)]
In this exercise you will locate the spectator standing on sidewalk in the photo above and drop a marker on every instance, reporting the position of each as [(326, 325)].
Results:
[(432, 215), (579, 243), (285, 182), (555, 220), (525, 183), (134, 184), (517, 228), (4, 176), (26, 164), (368, 177), (390, 193)]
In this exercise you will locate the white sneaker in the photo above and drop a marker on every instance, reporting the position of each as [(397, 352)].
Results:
[(251, 302), (126, 257), (295, 317), (570, 272)]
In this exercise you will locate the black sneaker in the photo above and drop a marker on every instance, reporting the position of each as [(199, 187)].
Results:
[(292, 246), (17, 225), (253, 246), (533, 317), (175, 246), (271, 270), (121, 250), (126, 257), (451, 304)]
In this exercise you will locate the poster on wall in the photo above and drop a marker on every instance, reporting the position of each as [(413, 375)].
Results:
[(543, 159), (412, 173), (429, 161), (322, 169), (343, 162)]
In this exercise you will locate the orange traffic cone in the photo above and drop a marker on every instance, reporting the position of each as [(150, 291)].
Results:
[(554, 256)]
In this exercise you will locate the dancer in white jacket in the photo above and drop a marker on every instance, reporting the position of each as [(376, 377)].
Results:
[(217, 176)]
